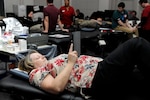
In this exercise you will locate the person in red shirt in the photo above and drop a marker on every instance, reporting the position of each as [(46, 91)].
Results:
[(67, 14), (52, 18), (145, 19)]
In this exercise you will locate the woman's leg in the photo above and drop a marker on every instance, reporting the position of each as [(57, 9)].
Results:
[(119, 65), (145, 34)]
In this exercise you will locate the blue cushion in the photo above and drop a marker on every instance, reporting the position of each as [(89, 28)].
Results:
[(87, 29), (19, 73)]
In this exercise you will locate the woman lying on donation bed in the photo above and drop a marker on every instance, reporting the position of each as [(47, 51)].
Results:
[(68, 71)]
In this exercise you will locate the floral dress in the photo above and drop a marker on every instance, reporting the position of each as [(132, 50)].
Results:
[(81, 76)]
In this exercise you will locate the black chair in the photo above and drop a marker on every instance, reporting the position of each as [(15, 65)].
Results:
[(15, 83), (61, 39), (86, 41), (17, 86), (2, 25), (3, 70)]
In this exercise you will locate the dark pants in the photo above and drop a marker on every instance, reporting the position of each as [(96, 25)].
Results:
[(117, 69), (145, 34)]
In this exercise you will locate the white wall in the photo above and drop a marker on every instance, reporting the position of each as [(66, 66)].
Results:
[(104, 5), (89, 6), (28, 2), (9, 4), (39, 2), (58, 3), (86, 6)]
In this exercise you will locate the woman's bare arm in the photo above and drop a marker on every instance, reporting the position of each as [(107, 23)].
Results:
[(46, 24), (60, 24), (58, 84), (30, 14)]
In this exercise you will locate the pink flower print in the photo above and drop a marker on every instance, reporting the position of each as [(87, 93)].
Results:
[(92, 73), (79, 73), (33, 73), (92, 61), (59, 62), (87, 85), (43, 69), (83, 58), (78, 77), (73, 71), (50, 66), (80, 61), (81, 70)]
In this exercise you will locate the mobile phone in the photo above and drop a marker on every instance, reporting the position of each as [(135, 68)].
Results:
[(77, 41)]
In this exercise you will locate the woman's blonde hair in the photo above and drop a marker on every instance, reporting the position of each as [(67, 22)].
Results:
[(26, 64)]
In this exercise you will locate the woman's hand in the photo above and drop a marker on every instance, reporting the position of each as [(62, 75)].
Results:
[(72, 55)]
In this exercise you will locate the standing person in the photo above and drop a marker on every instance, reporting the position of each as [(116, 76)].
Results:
[(145, 19), (36, 14), (120, 21), (89, 74), (34, 19), (67, 14), (51, 18)]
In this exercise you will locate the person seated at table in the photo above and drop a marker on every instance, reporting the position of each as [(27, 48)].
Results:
[(34, 19), (72, 73), (95, 21), (79, 14), (35, 14), (133, 16), (120, 21), (92, 23)]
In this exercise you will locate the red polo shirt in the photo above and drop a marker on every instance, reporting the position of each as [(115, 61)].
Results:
[(146, 13), (67, 15), (52, 12)]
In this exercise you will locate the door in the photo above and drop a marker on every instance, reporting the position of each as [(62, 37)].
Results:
[(2, 12)]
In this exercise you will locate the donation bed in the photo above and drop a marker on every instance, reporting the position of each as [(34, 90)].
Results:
[(20, 87), (15, 82)]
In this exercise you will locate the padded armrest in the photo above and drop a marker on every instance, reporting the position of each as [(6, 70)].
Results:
[(19, 73), (2, 73), (22, 87)]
